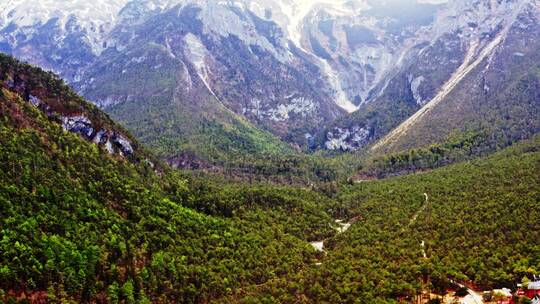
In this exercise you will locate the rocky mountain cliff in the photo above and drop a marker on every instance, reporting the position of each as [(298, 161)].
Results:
[(336, 75)]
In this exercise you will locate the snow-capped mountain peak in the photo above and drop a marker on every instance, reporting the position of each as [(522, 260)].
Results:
[(95, 18)]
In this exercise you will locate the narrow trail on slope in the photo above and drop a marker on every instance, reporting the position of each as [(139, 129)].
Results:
[(343, 227), (473, 297), (415, 216)]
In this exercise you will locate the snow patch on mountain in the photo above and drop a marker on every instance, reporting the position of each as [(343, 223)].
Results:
[(292, 15), (502, 16), (474, 20), (298, 10), (415, 85), (221, 19), (95, 18), (341, 97), (376, 61)]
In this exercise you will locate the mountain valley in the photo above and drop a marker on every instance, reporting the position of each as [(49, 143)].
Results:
[(283, 151)]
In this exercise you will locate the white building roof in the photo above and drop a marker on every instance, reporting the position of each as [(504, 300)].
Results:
[(534, 285)]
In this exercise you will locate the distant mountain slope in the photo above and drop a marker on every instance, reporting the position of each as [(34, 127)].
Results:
[(219, 142), (467, 37), (499, 92)]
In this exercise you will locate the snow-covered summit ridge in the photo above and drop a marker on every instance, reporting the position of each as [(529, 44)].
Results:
[(95, 17), (354, 72)]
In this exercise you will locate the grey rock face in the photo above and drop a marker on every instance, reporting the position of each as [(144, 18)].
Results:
[(123, 145), (347, 139), (78, 124), (113, 142)]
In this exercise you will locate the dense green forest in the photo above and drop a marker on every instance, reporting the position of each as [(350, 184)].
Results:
[(457, 148), (78, 224), (479, 224)]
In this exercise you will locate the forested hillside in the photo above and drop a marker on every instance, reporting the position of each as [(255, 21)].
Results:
[(478, 221), (80, 224), (85, 220)]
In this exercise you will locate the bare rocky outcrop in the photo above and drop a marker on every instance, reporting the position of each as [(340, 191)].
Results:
[(78, 122), (114, 143)]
